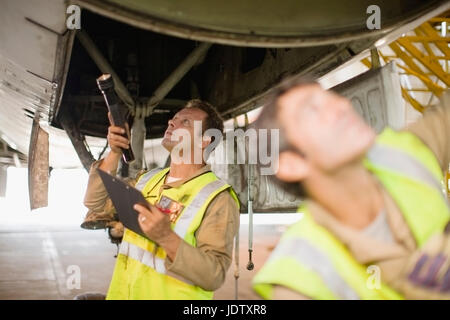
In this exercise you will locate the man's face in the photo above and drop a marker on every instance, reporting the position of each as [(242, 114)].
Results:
[(323, 126), (184, 119)]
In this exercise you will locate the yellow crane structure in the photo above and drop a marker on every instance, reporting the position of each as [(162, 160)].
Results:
[(423, 58)]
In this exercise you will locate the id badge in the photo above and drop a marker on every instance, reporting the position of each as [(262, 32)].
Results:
[(170, 207)]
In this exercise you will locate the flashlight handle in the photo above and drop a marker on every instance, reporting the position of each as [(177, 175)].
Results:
[(119, 121), (112, 102)]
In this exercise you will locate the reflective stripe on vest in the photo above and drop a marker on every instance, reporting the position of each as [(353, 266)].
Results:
[(190, 211), (149, 259), (411, 174), (143, 256), (403, 163), (313, 258), (146, 178)]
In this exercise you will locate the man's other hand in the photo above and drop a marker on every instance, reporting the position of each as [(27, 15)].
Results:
[(156, 225)]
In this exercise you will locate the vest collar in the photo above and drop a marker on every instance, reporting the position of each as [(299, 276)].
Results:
[(202, 170)]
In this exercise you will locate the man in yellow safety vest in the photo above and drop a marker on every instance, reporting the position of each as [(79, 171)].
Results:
[(375, 214), (192, 220)]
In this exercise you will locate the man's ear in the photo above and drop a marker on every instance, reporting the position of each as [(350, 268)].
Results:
[(292, 167)]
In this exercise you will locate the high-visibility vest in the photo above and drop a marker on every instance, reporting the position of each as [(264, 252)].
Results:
[(140, 271), (313, 262)]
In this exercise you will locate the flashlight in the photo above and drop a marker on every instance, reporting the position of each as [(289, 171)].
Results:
[(106, 85)]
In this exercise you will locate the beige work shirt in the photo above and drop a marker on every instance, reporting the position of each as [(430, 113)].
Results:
[(434, 130), (206, 264)]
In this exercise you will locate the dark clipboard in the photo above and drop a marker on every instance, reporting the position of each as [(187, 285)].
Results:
[(124, 197)]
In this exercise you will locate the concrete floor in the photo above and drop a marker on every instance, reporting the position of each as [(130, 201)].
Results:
[(42, 262)]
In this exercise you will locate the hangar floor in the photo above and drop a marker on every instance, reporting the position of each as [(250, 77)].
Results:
[(38, 261)]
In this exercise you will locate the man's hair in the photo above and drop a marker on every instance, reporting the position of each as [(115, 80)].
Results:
[(268, 119), (213, 119)]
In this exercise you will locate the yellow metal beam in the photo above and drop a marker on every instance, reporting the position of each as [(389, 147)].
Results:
[(414, 68), (418, 90), (439, 19), (416, 105), (420, 52), (434, 38), (432, 65), (367, 63), (436, 89), (431, 32), (423, 73), (425, 44)]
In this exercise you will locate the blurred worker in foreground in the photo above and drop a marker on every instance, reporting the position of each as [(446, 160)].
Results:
[(374, 209), (191, 245)]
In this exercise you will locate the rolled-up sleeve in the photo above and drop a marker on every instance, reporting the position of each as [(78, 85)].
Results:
[(206, 264), (434, 130), (96, 195)]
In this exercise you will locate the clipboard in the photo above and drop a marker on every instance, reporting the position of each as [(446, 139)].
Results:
[(124, 197)]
